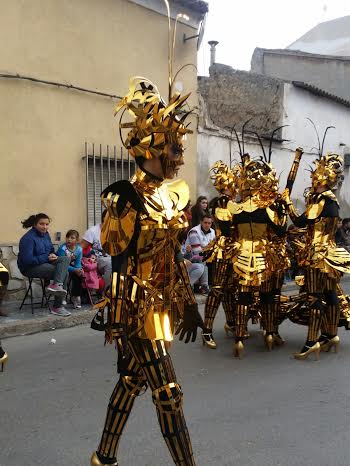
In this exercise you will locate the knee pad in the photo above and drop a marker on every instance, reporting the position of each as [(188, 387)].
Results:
[(135, 385), (245, 298), (331, 298), (168, 398), (267, 298)]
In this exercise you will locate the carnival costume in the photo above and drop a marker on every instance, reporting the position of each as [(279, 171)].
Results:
[(258, 218), (323, 262), (4, 279), (219, 253), (150, 289)]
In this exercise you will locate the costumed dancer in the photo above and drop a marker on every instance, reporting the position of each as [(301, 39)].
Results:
[(4, 279), (140, 232), (255, 218), (322, 261), (219, 253)]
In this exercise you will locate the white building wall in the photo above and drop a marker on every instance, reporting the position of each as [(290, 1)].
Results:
[(214, 144)]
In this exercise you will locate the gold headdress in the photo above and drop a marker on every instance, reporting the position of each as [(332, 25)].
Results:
[(328, 171), (156, 125), (329, 167), (224, 178)]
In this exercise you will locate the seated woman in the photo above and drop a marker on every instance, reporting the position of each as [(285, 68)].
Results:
[(74, 251), (36, 259)]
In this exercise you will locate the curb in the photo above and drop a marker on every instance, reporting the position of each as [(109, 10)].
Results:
[(44, 324)]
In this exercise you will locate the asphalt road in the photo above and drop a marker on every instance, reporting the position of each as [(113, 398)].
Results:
[(265, 410)]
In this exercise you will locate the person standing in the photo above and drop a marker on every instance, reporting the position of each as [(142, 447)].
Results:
[(150, 286), (198, 210), (323, 262)]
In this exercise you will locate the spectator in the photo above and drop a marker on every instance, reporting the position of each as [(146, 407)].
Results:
[(37, 259), (198, 210), (73, 250), (188, 212), (92, 280), (338, 236), (344, 234), (195, 268), (197, 239), (91, 239)]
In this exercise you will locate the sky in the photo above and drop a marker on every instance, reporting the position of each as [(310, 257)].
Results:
[(240, 26)]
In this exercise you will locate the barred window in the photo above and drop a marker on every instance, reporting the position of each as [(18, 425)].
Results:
[(104, 166)]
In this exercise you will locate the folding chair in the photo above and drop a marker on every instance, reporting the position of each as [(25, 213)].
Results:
[(29, 294)]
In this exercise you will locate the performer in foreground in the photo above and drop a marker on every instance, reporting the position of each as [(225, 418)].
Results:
[(150, 288)]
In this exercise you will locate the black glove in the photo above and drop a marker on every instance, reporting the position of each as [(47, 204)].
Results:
[(190, 323)]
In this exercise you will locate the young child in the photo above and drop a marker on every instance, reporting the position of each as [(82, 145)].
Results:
[(92, 280), (73, 250)]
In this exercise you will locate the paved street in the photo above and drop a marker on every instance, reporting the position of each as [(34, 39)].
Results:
[(267, 409)]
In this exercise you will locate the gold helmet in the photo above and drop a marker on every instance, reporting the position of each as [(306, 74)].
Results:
[(157, 126), (257, 179), (224, 178), (328, 171)]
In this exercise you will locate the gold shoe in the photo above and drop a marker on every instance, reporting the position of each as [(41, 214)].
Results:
[(96, 462), (229, 330), (278, 340), (329, 344), (312, 349), (238, 349), (208, 340), (3, 361), (269, 342)]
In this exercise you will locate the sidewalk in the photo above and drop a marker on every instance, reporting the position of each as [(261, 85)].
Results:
[(24, 322)]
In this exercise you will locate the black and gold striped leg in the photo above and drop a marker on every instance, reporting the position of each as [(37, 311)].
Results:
[(228, 304), (157, 366), (215, 295), (131, 383)]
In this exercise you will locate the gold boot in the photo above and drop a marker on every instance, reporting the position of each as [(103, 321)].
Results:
[(312, 349), (208, 340), (3, 361), (269, 342), (331, 343), (96, 462), (238, 349), (229, 330)]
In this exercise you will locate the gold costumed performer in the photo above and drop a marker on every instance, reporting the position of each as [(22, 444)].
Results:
[(220, 255), (323, 262), (150, 286), (259, 215)]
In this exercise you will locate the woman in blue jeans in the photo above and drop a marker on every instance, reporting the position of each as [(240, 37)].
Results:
[(37, 259)]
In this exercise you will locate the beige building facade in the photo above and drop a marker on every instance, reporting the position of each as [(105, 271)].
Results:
[(95, 45)]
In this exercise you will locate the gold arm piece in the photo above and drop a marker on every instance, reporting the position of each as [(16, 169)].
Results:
[(117, 230)]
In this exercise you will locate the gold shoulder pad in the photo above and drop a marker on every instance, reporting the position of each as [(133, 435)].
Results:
[(275, 218), (314, 210), (330, 194), (117, 230), (234, 208), (179, 193), (223, 214)]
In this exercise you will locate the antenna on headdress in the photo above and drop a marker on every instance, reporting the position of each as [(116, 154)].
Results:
[(233, 129), (271, 139), (324, 137), (318, 138), (261, 144), (243, 129)]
